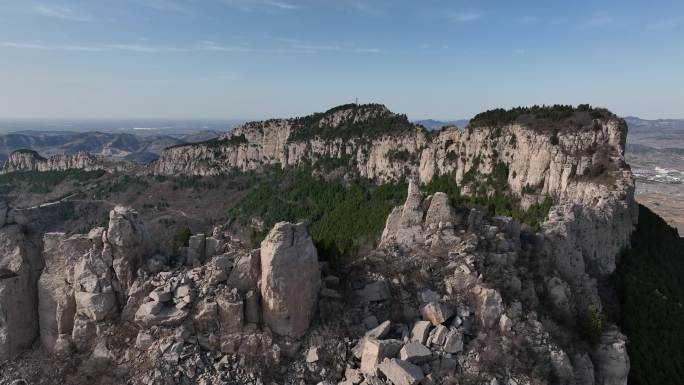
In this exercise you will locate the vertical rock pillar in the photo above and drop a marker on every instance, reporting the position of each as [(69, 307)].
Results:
[(290, 279)]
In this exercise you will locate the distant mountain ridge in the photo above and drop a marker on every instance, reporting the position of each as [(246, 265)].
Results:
[(115, 146), (432, 124)]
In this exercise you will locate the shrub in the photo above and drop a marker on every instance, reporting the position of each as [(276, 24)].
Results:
[(378, 124), (513, 142), (237, 139), (591, 325), (400, 156), (502, 202), (554, 138), (181, 238)]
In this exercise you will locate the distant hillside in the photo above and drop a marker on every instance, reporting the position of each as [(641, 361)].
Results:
[(660, 133)]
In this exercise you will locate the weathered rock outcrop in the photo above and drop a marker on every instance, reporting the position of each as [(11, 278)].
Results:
[(290, 279), (421, 222), (492, 259), (87, 278)]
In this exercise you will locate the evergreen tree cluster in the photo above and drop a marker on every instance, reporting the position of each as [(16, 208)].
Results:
[(493, 197), (379, 123), (547, 117), (652, 298), (342, 217)]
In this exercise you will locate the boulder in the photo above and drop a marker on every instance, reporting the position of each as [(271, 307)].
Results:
[(454, 342), (246, 272), (401, 372), (144, 340), (161, 294), (415, 353), (490, 306), (231, 314), (374, 351), (438, 336), (436, 312), (379, 332), (290, 279), (96, 306), (219, 268), (196, 250), (375, 292), (312, 355), (206, 316), (420, 331), (212, 246), (352, 376), (155, 313)]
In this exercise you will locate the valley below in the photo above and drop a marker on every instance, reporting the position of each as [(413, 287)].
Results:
[(655, 151)]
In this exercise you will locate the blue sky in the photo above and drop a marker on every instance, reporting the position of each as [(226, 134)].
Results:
[(268, 58)]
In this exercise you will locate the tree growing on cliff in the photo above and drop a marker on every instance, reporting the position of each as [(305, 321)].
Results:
[(591, 324)]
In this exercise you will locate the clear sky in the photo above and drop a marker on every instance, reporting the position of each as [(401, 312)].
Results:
[(268, 58)]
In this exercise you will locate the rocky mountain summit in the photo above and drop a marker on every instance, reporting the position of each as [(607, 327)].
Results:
[(450, 294)]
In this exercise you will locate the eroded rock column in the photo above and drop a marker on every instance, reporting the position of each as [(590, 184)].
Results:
[(290, 279)]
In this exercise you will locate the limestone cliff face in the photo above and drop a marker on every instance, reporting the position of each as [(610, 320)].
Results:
[(27, 160), (539, 163), (289, 143)]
